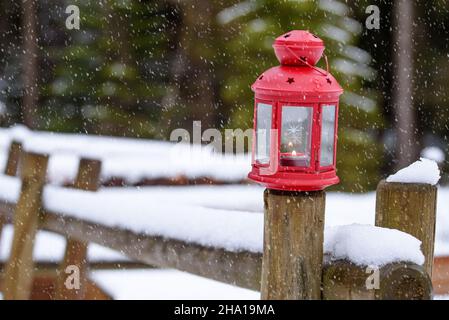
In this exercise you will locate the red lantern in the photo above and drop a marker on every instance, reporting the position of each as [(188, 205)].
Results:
[(295, 118)]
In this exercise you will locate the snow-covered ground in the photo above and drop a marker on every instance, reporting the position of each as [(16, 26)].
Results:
[(166, 285)]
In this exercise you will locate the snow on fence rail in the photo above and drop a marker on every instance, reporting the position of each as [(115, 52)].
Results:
[(127, 161), (219, 244)]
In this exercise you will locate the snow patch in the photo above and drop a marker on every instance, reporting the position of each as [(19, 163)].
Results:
[(165, 216), (433, 153), (422, 171), (166, 285), (369, 245), (9, 188)]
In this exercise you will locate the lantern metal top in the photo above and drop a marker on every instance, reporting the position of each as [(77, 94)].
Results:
[(298, 47), (298, 51)]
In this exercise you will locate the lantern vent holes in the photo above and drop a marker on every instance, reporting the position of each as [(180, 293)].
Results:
[(261, 77), (302, 58), (290, 80), (329, 80), (314, 36), (287, 35)]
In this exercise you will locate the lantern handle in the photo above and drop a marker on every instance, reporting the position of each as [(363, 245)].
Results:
[(309, 65), (327, 64)]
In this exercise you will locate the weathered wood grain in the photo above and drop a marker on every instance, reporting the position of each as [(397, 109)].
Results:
[(18, 276), (343, 280), (12, 163), (410, 208), (293, 245), (76, 251)]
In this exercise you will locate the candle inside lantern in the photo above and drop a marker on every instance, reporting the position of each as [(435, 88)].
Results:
[(295, 142), (295, 159)]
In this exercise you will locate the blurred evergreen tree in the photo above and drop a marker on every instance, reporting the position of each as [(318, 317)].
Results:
[(431, 71), (108, 77), (11, 52)]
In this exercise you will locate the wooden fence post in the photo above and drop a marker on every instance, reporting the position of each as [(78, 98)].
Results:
[(76, 251), (411, 208), (12, 163), (2, 224), (13, 160), (293, 245), (18, 275), (343, 280)]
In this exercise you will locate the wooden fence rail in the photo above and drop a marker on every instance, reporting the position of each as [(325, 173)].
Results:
[(11, 167), (239, 268), (291, 271), (76, 249), (343, 280), (12, 162)]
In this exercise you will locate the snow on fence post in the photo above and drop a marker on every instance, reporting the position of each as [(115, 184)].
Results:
[(411, 208), (343, 280), (76, 251), (18, 275), (12, 162), (293, 245)]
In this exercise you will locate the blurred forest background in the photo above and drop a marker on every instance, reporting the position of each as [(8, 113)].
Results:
[(143, 68)]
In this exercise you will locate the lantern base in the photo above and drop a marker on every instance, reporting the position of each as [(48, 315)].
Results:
[(296, 181)]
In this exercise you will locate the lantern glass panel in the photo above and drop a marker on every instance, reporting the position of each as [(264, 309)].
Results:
[(327, 136), (296, 136), (263, 132)]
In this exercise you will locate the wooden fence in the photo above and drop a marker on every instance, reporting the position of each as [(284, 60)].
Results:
[(290, 267)]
